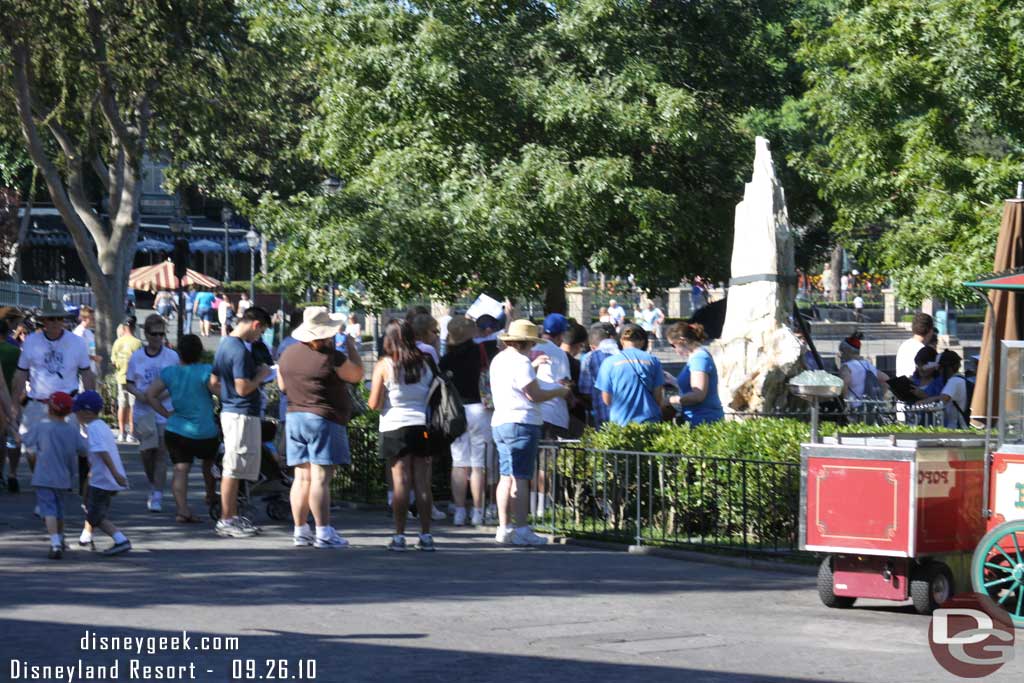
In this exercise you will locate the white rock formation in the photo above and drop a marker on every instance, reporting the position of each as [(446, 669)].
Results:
[(757, 352)]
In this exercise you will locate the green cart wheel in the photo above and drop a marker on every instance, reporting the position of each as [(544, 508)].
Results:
[(997, 568)]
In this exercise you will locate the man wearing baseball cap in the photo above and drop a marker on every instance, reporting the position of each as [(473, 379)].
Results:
[(552, 364), (52, 359)]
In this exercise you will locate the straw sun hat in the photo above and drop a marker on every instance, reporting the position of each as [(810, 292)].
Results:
[(521, 330), (317, 323)]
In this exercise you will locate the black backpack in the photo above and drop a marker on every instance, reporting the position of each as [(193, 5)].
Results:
[(446, 416)]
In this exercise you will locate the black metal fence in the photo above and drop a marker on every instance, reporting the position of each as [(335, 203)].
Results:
[(747, 505)]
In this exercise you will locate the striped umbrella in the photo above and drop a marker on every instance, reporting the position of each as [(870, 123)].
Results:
[(161, 276)]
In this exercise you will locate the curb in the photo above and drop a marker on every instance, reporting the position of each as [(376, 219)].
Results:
[(780, 566)]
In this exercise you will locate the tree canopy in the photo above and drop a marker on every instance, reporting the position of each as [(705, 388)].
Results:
[(920, 108), (496, 144)]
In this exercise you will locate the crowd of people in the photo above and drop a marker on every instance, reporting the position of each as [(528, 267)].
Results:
[(520, 383)]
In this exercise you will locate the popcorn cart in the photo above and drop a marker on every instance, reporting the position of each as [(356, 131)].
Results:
[(921, 516), (897, 515)]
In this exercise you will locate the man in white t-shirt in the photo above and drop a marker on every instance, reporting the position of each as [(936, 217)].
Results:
[(51, 360), (616, 314), (144, 366), (922, 329), (555, 411), (653, 320), (858, 308)]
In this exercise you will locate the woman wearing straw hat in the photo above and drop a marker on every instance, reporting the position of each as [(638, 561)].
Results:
[(313, 375), (516, 428), (404, 376)]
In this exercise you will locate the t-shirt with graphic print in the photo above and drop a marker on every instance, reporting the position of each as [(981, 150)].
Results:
[(143, 369), (53, 364)]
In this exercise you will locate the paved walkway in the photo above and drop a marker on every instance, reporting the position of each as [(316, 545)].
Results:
[(471, 611)]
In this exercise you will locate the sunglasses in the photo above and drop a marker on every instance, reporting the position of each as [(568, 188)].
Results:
[(156, 334)]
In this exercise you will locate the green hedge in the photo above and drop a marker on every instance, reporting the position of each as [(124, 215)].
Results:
[(737, 484)]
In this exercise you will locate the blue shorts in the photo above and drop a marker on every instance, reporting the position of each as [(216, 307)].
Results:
[(206, 314), (315, 440), (517, 449), (50, 502)]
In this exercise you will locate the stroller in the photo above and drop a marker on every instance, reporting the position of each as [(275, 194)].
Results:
[(272, 487)]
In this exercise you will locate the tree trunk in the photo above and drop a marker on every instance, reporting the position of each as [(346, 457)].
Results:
[(23, 227), (554, 293)]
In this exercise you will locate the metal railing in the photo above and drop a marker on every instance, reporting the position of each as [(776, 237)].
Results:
[(25, 295), (736, 504), (869, 412)]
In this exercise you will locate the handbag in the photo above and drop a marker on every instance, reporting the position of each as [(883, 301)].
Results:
[(486, 398)]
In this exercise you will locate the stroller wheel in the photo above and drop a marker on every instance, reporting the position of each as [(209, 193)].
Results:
[(215, 510), (278, 509)]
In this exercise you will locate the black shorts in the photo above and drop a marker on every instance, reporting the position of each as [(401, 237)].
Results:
[(97, 505), (404, 441), (182, 449)]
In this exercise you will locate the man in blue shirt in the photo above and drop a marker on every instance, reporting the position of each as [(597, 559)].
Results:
[(202, 307), (631, 382), (240, 380), (602, 345)]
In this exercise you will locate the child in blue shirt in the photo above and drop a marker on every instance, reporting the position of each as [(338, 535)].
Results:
[(57, 445)]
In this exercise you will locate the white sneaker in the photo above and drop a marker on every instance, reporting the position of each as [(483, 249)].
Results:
[(526, 536), (304, 539), (154, 504), (332, 540), (478, 517), (504, 535), (460, 517), (436, 514)]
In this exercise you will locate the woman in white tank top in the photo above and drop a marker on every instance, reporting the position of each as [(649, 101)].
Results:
[(401, 384)]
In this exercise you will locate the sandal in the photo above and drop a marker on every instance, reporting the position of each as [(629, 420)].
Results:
[(190, 519)]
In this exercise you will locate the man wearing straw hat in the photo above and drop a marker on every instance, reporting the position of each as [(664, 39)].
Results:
[(51, 360), (313, 375), (516, 428)]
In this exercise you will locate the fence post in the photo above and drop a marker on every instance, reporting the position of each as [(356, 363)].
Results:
[(553, 486), (743, 470), (639, 536)]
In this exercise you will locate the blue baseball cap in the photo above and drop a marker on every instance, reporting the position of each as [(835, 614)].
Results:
[(88, 400), (555, 323)]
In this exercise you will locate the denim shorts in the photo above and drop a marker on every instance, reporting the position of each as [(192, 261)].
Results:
[(50, 502), (517, 449), (312, 439)]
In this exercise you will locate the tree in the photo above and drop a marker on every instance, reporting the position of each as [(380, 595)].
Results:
[(921, 114), (97, 85), (493, 145)]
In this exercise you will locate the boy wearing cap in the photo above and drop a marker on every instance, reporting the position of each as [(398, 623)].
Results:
[(57, 445), (106, 472)]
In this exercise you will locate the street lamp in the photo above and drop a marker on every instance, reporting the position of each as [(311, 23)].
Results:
[(226, 215), (253, 240), (181, 227)]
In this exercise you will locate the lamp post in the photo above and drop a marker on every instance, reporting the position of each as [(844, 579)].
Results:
[(180, 227), (252, 238), (226, 215)]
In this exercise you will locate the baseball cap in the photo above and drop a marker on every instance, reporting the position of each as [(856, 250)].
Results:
[(555, 323), (88, 400), (61, 403)]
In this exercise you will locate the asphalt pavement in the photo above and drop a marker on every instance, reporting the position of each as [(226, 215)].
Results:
[(471, 611)]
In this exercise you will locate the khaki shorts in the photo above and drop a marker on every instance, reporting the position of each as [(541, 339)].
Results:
[(125, 398), (149, 431), (241, 446), (34, 412)]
